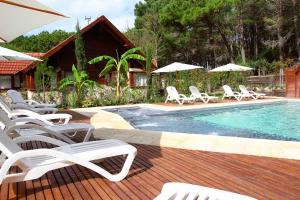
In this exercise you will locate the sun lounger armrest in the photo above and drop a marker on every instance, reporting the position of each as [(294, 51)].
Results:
[(183, 96), (33, 126), (40, 138), (60, 116), (26, 120), (204, 95), (237, 93), (31, 102), (24, 106)]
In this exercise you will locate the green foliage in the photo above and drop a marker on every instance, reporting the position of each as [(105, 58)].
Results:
[(120, 64), (218, 31), (44, 76), (79, 49), (79, 82), (41, 42)]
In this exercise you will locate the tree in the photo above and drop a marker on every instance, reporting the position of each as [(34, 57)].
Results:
[(44, 76), (120, 64), (79, 49), (148, 71), (79, 81), (41, 42)]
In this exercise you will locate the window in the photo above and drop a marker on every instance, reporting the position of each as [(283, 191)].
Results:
[(17, 82), (140, 80), (5, 82)]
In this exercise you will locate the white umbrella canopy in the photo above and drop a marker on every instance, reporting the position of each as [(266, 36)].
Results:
[(8, 54), (175, 67), (21, 16), (231, 68)]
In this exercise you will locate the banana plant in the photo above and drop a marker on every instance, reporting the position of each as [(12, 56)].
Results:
[(120, 64), (79, 80)]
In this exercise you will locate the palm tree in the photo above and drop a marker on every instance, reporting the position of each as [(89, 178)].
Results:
[(79, 80), (121, 64)]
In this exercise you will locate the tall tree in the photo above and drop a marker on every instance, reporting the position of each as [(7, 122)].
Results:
[(79, 49), (296, 26)]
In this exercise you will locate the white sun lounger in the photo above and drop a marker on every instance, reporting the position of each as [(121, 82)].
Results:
[(47, 118), (19, 103), (228, 93), (202, 96), (251, 93), (179, 98), (35, 163), (30, 127), (183, 191), (16, 97)]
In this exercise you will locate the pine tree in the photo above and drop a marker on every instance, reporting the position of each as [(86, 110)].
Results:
[(79, 49)]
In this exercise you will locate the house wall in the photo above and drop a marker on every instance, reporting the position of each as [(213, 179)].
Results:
[(99, 40), (292, 82)]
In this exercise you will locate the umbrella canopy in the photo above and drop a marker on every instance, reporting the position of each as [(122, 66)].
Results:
[(7, 54), (175, 67), (21, 16), (231, 68)]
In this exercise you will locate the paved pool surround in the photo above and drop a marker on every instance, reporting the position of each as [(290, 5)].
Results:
[(112, 126)]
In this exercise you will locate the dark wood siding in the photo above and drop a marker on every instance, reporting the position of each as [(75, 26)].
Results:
[(292, 82)]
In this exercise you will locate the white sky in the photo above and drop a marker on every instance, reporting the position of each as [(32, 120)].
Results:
[(119, 12)]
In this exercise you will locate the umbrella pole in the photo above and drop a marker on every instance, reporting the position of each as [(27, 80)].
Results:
[(177, 80)]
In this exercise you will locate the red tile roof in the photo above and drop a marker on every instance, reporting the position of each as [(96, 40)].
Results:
[(14, 67)]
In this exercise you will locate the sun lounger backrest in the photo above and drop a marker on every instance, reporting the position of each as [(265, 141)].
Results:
[(7, 145), (194, 91), (15, 96), (4, 106), (172, 92), (244, 90), (5, 119), (228, 90)]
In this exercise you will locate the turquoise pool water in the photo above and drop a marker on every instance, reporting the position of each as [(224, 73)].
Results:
[(270, 121)]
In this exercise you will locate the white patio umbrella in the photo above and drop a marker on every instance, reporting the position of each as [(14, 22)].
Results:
[(21, 16), (175, 67), (8, 54), (231, 68)]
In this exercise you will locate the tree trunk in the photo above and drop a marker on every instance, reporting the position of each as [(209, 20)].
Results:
[(255, 40), (296, 27), (226, 43), (279, 30), (241, 28), (118, 83)]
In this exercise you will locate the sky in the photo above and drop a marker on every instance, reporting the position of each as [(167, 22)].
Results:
[(119, 12)]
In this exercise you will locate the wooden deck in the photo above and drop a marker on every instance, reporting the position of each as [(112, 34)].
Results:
[(263, 178)]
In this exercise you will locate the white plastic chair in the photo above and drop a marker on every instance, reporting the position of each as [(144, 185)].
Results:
[(183, 191), (47, 118), (228, 93), (30, 127), (253, 94), (179, 98), (35, 163), (202, 96), (19, 103)]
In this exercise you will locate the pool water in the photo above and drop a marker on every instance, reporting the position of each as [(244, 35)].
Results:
[(279, 120)]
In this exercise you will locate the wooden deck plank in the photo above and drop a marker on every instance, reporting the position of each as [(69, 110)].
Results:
[(263, 178)]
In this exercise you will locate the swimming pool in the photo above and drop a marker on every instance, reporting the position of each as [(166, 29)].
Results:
[(280, 120)]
